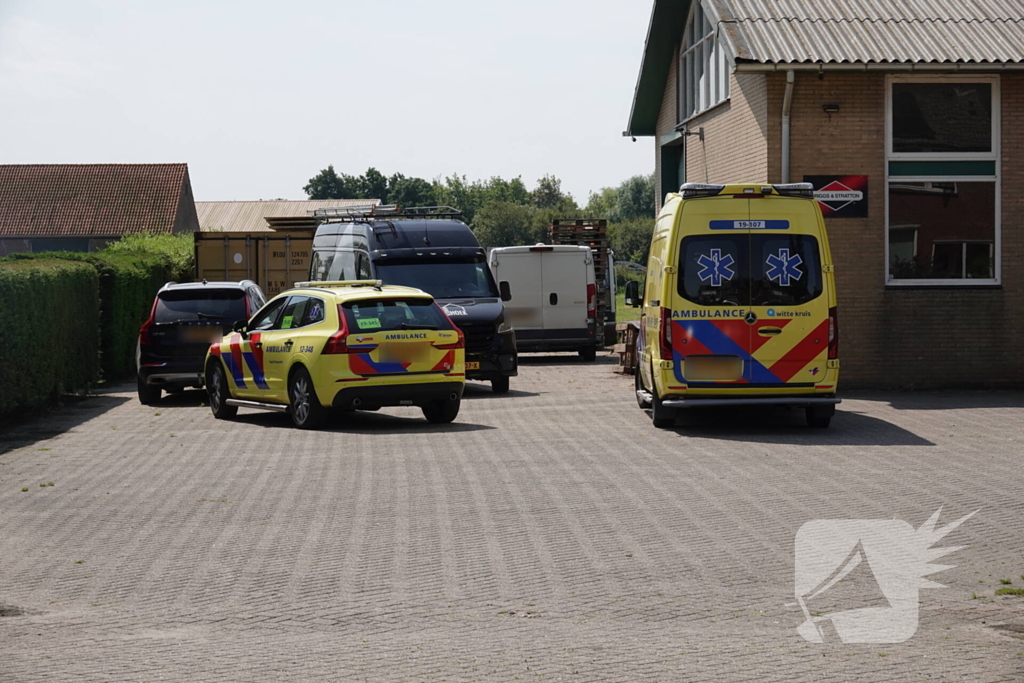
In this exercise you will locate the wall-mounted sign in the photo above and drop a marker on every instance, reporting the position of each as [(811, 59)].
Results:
[(841, 196)]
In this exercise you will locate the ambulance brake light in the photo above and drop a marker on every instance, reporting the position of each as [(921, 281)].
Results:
[(665, 333), (338, 342), (833, 333)]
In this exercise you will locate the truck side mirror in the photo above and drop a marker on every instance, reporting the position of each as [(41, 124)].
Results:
[(633, 294), (505, 290)]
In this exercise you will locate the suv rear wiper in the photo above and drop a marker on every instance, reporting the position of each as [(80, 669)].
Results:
[(209, 316), (408, 326)]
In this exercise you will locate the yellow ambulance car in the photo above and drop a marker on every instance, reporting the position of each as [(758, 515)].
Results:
[(739, 304)]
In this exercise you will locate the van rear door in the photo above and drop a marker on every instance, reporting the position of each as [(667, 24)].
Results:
[(565, 282), (789, 337), (523, 270)]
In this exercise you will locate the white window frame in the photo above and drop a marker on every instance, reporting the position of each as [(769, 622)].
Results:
[(995, 155), (707, 50)]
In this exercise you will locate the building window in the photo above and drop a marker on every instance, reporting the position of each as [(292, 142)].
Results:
[(703, 68), (943, 184)]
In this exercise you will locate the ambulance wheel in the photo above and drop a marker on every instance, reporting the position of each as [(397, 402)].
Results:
[(441, 412), (499, 384), (820, 416), (588, 354), (638, 384), (662, 417), (303, 404), (148, 395), (218, 392)]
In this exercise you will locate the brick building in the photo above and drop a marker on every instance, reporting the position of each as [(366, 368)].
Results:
[(83, 207), (908, 119)]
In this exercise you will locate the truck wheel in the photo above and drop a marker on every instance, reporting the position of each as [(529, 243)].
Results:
[(588, 354), (499, 384), (148, 395), (441, 412), (638, 384), (218, 392), (820, 416), (304, 406)]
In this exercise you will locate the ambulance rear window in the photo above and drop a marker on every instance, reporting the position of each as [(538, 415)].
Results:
[(394, 314), (750, 270)]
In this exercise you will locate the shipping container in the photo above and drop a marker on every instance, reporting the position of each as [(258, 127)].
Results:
[(274, 260)]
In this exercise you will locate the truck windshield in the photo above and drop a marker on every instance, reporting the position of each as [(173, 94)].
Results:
[(442, 278)]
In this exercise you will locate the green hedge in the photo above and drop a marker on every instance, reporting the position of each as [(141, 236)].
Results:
[(49, 336), (127, 284)]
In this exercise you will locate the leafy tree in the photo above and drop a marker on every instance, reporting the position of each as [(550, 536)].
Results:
[(603, 204), (635, 197), (504, 224), (458, 192), (548, 192), (631, 240), (328, 185), (408, 192), (373, 185), (513, 191)]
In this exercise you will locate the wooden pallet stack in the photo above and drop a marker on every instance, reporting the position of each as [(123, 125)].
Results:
[(628, 333)]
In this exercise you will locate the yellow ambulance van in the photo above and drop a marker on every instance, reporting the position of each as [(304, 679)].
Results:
[(739, 304)]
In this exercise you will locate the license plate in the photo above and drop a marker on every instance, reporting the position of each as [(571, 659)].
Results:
[(200, 335), (472, 365)]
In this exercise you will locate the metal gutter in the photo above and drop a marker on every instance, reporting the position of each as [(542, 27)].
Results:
[(878, 66), (787, 105)]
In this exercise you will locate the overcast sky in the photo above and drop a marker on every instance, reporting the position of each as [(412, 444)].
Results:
[(257, 97)]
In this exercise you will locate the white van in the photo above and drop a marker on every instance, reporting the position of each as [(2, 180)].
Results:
[(553, 306)]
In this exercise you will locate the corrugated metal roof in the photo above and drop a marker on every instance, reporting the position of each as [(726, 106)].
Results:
[(873, 31), (255, 216)]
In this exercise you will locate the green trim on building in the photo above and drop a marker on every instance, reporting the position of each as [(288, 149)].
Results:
[(941, 168), (668, 19)]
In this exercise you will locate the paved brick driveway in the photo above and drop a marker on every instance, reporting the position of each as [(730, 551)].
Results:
[(550, 534)]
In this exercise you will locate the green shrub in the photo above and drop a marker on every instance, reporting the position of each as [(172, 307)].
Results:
[(631, 240), (49, 340), (177, 248)]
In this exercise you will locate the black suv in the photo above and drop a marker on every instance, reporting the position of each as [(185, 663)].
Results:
[(184, 320)]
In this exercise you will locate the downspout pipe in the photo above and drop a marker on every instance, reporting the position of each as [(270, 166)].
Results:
[(787, 105)]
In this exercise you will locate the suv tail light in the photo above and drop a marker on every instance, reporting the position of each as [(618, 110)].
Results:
[(591, 301), (665, 333), (461, 342), (338, 342), (833, 334), (144, 338)]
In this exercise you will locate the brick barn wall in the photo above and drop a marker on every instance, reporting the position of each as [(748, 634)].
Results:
[(889, 336)]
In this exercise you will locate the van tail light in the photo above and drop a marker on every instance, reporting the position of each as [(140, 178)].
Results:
[(833, 334), (665, 333), (338, 342), (147, 327), (591, 301)]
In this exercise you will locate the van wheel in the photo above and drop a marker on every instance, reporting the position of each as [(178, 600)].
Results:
[(588, 354), (662, 417), (217, 390), (304, 406), (441, 412), (638, 385), (499, 384), (820, 416), (148, 395)]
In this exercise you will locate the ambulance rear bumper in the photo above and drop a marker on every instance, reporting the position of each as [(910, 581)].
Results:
[(798, 401)]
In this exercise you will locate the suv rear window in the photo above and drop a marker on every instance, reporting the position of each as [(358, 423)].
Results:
[(186, 305), (749, 270), (394, 314)]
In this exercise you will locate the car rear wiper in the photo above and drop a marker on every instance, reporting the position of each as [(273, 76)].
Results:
[(408, 326), (210, 316)]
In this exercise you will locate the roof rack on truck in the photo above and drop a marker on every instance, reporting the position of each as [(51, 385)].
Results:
[(369, 212)]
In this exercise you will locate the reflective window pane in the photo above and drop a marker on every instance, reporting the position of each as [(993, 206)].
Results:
[(941, 230), (941, 117)]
